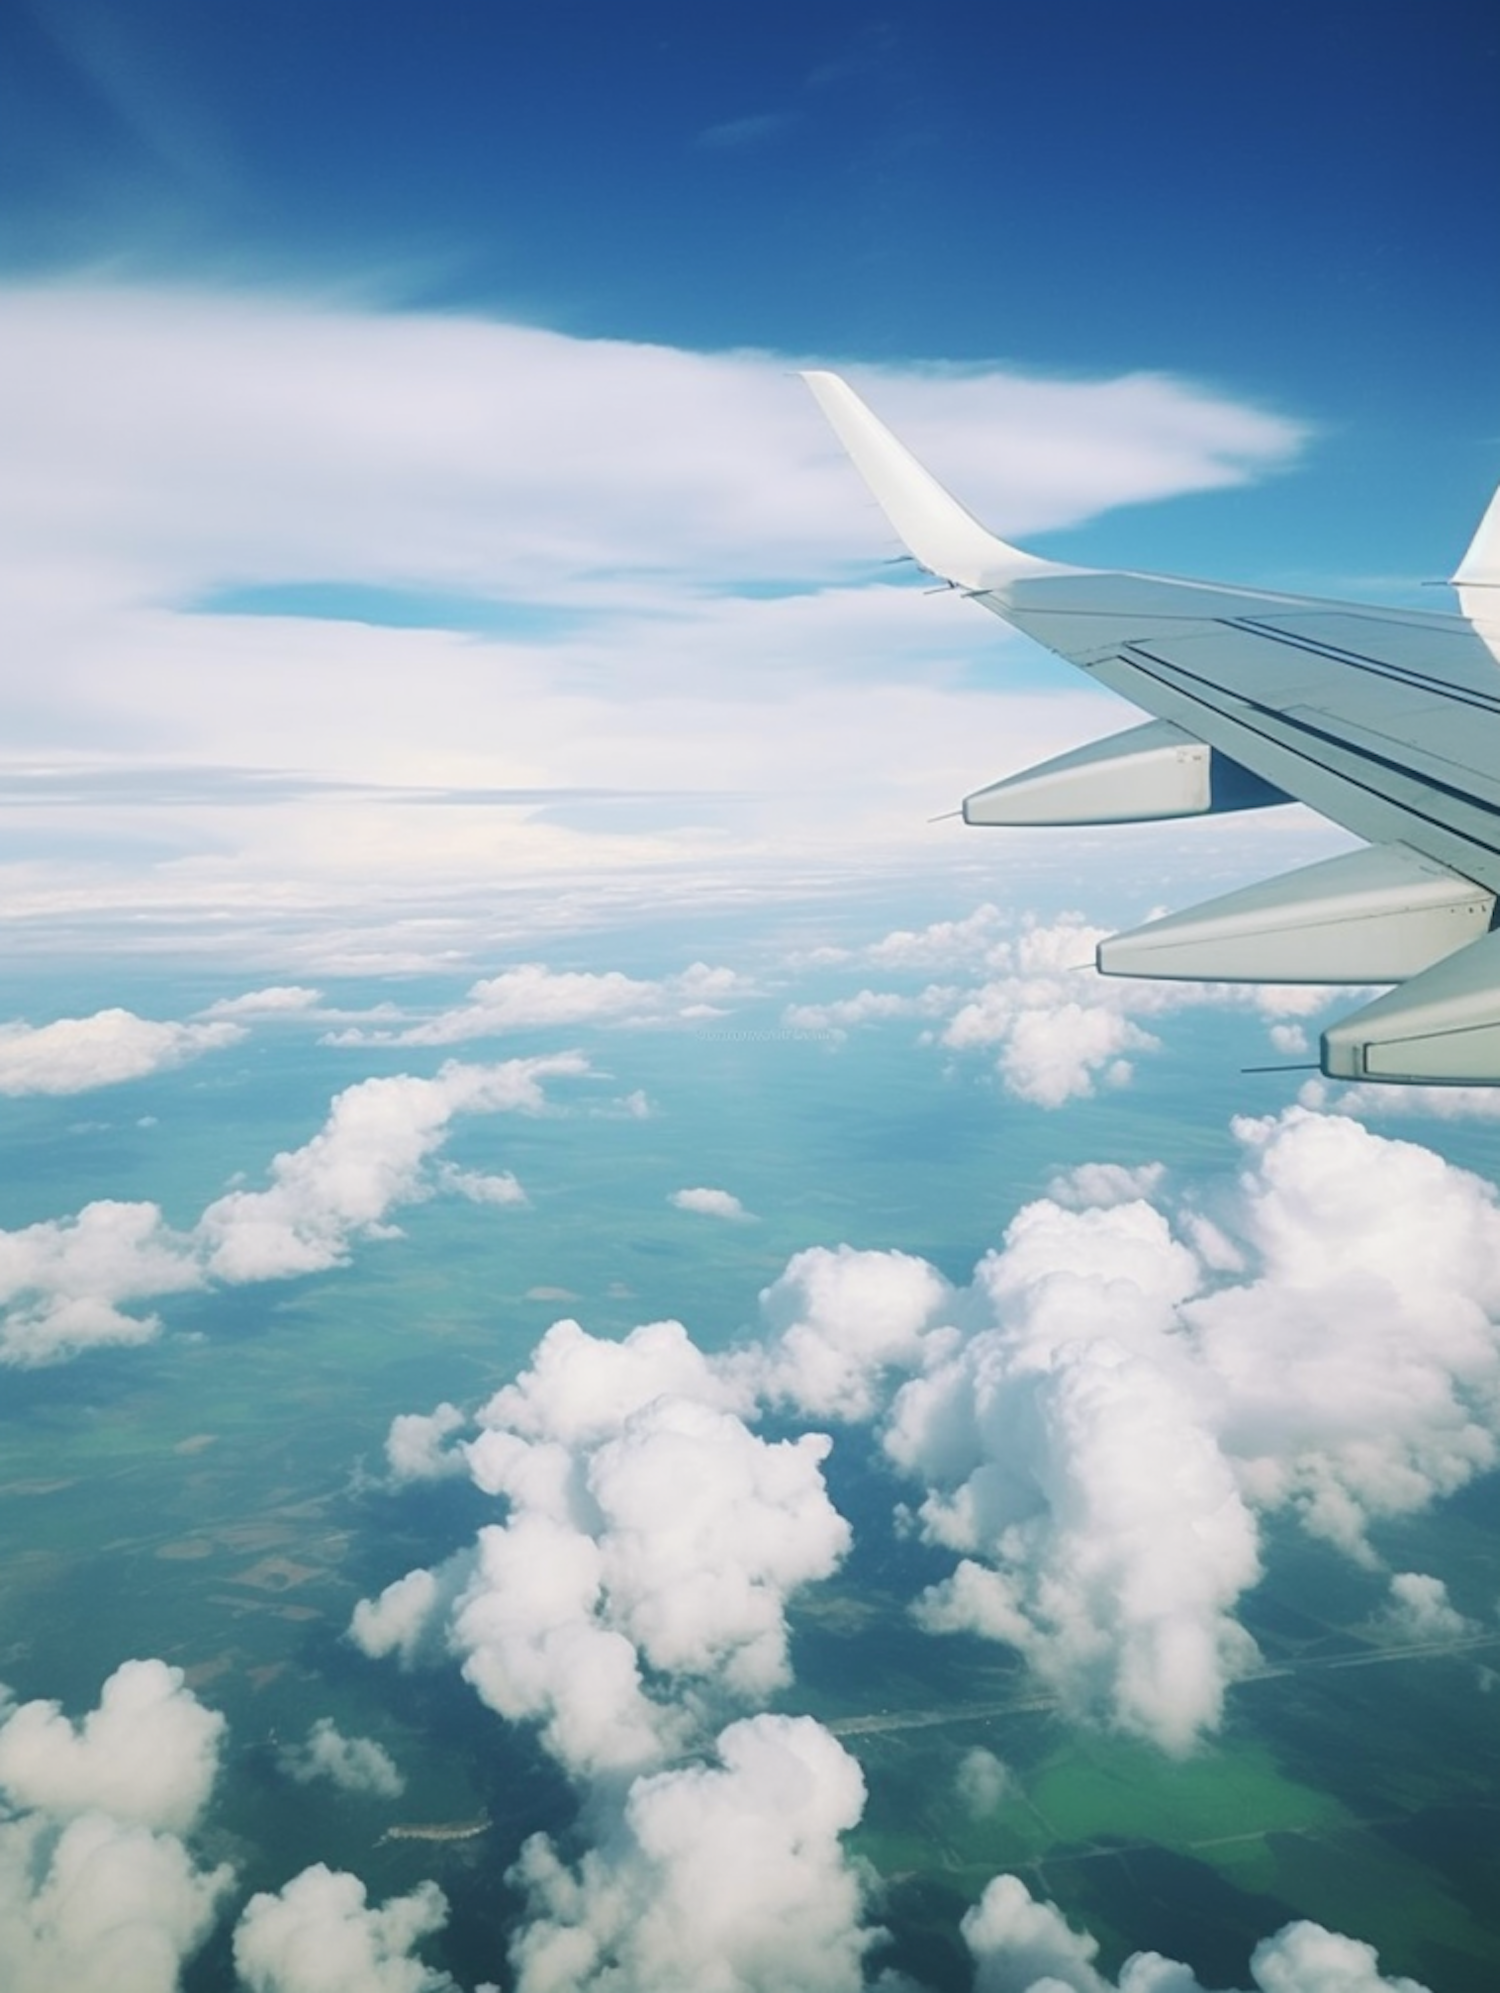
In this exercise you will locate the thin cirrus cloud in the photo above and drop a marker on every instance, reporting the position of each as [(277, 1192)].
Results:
[(677, 573)]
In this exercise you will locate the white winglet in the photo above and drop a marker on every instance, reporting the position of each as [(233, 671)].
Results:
[(1477, 579), (942, 537)]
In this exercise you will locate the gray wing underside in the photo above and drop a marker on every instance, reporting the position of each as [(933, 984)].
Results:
[(1387, 723)]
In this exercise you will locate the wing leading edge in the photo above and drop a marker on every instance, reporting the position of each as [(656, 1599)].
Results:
[(1385, 721)]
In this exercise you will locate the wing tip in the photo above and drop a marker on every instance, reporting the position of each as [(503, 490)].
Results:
[(942, 535)]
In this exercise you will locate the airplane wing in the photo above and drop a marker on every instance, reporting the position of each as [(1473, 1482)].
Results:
[(1386, 721)]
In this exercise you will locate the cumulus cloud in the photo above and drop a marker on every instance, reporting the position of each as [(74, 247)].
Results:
[(651, 1547), (1094, 1428), (1102, 1184), (353, 1764), (75, 1054), (1419, 1609), (405, 1621), (709, 1203), (67, 1285), (982, 1782), (367, 1157), (838, 1321), (1358, 1369), (279, 1000), (148, 1754), (501, 1188), (1020, 1945), (1389, 1103), (1098, 1422), (534, 997), (838, 1017), (97, 1891), (416, 1446), (942, 944), (100, 1906), (729, 1877), (320, 1935), (1056, 1029)]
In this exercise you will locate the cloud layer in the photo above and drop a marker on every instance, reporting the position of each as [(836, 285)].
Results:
[(604, 603)]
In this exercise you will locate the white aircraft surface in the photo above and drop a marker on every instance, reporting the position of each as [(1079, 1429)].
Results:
[(1387, 721)]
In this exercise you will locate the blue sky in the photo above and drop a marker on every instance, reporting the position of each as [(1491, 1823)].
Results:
[(1294, 202)]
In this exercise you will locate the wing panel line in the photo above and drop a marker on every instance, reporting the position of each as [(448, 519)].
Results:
[(1134, 658)]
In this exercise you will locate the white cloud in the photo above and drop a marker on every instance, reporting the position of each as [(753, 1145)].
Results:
[(1358, 1370), (1120, 1405), (534, 997), (567, 496), (1020, 1945), (1381, 1103), (982, 1782), (651, 1547), (1094, 1427), (279, 1000), (501, 1188), (367, 1157), (709, 1203), (943, 944), (100, 1906), (1098, 1185), (319, 1935), (65, 1283), (867, 1007), (97, 1892), (1057, 1030), (1419, 1609), (353, 1764), (1122, 1543), (729, 1877), (406, 1619), (838, 1321), (415, 1448), (75, 1054), (148, 1754), (1062, 1029)]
